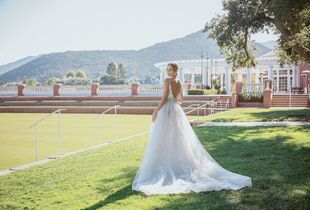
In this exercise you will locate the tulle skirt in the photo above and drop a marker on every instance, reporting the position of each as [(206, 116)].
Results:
[(176, 162)]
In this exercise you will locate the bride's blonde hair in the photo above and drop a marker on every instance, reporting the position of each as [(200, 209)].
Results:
[(174, 66)]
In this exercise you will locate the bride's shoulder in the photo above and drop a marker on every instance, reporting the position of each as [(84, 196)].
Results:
[(167, 80)]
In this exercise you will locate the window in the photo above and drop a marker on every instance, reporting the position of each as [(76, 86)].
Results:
[(197, 78), (282, 83), (187, 78), (282, 72)]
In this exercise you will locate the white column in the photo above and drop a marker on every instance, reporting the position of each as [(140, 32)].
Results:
[(222, 81), (205, 75), (277, 69), (227, 80), (297, 72), (239, 76), (253, 73), (257, 76), (248, 78), (270, 73), (161, 76), (193, 78), (293, 76), (181, 75), (209, 76), (202, 79)]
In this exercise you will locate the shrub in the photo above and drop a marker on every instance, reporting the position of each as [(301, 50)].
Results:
[(201, 92), (76, 81), (52, 81), (206, 87), (251, 97)]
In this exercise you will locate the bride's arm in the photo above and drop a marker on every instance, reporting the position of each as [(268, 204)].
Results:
[(164, 99)]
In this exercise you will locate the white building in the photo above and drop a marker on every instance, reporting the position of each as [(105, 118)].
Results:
[(207, 71)]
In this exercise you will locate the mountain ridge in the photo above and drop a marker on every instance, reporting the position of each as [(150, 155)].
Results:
[(138, 63)]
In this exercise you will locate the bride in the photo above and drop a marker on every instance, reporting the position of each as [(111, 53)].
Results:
[(174, 160)]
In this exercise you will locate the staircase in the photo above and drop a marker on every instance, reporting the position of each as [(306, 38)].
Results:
[(285, 101), (98, 104)]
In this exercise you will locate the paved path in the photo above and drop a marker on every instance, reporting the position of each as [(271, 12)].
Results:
[(252, 124)]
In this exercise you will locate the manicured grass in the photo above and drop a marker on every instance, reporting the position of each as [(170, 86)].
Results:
[(277, 159), (17, 140), (259, 115)]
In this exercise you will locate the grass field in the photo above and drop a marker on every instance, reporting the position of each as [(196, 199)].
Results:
[(277, 159), (17, 140), (258, 115)]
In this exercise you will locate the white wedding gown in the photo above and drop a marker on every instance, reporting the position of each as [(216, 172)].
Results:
[(176, 162)]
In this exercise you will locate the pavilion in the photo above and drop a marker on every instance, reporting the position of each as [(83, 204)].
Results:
[(205, 71)]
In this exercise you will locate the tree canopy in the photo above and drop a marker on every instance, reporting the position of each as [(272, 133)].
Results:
[(243, 18), (115, 74)]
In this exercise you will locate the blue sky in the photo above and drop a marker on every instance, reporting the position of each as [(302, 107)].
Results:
[(33, 27)]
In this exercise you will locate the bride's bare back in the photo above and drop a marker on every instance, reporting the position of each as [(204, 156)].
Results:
[(175, 87)]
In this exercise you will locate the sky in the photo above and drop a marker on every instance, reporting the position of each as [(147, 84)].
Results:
[(34, 27)]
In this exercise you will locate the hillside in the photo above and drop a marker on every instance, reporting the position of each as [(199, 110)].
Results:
[(138, 63), (10, 66)]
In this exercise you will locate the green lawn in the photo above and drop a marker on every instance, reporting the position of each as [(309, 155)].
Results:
[(17, 140), (277, 159), (258, 115)]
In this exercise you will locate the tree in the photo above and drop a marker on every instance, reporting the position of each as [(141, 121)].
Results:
[(81, 74), (76, 81), (70, 74), (243, 18), (31, 82), (120, 72), (53, 80), (115, 74)]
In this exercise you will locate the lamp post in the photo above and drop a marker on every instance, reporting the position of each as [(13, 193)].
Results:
[(201, 73), (207, 77), (211, 68), (215, 70)]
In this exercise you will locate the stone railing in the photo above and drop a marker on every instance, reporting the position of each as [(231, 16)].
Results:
[(114, 90), (95, 89), (8, 91), (75, 90), (264, 88), (38, 91), (150, 90), (253, 88)]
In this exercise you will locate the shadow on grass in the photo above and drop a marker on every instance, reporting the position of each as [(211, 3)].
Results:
[(279, 170), (122, 193), (283, 115)]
